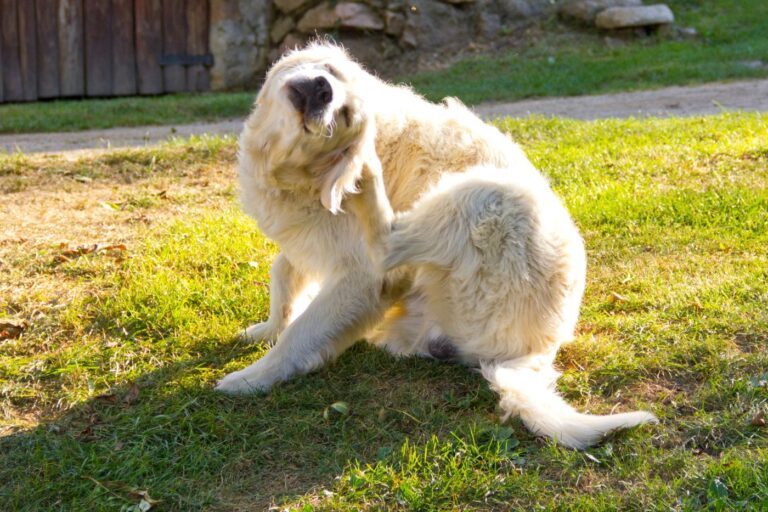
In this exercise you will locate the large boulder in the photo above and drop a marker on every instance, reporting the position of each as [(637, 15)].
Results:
[(628, 17), (587, 10), (342, 15)]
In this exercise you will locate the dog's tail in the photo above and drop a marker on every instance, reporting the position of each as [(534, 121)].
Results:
[(526, 387)]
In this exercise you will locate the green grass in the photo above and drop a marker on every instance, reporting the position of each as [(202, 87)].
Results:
[(566, 63), (91, 114), (560, 61), (108, 396)]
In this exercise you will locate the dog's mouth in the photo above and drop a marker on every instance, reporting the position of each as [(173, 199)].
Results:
[(313, 98)]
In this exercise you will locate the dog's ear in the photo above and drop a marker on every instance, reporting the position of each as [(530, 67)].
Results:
[(342, 178), (339, 181)]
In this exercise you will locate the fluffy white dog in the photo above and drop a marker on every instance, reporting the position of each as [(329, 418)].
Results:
[(483, 265)]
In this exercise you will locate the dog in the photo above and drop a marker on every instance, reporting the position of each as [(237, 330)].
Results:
[(428, 231)]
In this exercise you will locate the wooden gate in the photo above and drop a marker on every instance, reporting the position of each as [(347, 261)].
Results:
[(98, 48)]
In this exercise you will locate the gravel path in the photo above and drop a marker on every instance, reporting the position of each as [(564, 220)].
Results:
[(749, 95)]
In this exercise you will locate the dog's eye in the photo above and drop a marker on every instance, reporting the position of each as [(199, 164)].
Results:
[(333, 71)]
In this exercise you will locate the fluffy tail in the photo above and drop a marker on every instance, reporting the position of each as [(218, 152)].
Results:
[(527, 388)]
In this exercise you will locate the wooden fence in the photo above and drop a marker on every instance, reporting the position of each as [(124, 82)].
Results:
[(76, 48)]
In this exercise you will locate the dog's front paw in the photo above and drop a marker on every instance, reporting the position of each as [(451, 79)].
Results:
[(264, 331), (253, 379)]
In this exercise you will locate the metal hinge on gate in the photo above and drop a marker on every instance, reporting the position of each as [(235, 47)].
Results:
[(185, 59)]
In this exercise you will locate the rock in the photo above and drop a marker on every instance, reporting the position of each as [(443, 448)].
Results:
[(342, 15), (280, 28), (395, 23), (370, 50), (586, 10), (520, 9), (687, 32), (435, 25), (291, 42), (641, 16), (287, 6), (358, 16), (489, 24)]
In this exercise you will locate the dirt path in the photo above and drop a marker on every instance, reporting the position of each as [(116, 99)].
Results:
[(751, 95)]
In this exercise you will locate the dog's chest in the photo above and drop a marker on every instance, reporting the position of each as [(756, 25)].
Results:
[(312, 238)]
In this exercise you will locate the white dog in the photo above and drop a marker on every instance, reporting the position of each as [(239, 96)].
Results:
[(483, 266)]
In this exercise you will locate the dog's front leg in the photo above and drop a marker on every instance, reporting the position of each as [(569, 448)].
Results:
[(341, 314), (286, 282)]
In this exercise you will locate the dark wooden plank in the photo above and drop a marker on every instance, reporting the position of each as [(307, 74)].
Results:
[(13, 89), (197, 43), (71, 48), (28, 49), (123, 48), (149, 46), (1, 54), (47, 12), (98, 47), (174, 43)]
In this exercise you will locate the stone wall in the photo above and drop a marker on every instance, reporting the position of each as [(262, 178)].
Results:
[(247, 35), (239, 42), (397, 36)]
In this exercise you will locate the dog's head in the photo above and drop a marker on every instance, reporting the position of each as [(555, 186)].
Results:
[(310, 117)]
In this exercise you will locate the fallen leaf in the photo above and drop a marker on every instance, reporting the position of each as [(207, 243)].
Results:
[(86, 433), (109, 398), (144, 497), (132, 395), (68, 254), (109, 206), (10, 329), (615, 297), (115, 247), (592, 457), (340, 407), (759, 419)]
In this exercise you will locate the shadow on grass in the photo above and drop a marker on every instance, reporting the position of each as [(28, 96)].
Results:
[(173, 437)]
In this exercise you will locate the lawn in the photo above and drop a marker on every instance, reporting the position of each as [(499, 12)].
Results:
[(106, 399), (557, 61)]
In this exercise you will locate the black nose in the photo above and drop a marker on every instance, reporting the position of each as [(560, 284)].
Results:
[(323, 91), (310, 95)]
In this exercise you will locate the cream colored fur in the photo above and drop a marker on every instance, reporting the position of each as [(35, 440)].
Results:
[(482, 254)]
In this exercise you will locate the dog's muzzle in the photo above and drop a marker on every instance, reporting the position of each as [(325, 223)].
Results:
[(310, 96)]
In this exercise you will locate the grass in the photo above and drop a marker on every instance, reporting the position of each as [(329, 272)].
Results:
[(558, 60), (566, 63), (106, 399), (91, 114)]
